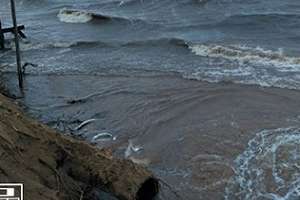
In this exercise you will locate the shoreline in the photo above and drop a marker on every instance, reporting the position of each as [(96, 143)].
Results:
[(208, 125), (54, 166)]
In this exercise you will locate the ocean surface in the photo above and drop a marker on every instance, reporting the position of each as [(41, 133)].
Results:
[(205, 93)]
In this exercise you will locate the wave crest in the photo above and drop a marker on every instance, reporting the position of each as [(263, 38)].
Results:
[(243, 54), (246, 65), (74, 16), (80, 16), (84, 16)]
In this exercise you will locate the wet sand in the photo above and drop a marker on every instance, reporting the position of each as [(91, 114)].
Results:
[(190, 131)]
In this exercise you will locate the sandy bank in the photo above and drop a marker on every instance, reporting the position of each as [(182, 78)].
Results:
[(52, 166)]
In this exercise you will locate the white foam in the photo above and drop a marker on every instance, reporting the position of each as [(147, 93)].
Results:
[(62, 44), (83, 124), (103, 137), (246, 65), (74, 16), (248, 55), (131, 149), (268, 168)]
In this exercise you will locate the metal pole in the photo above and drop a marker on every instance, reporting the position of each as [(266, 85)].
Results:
[(18, 56), (1, 37)]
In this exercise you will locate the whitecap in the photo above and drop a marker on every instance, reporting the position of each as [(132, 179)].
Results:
[(74, 16), (249, 55), (246, 65)]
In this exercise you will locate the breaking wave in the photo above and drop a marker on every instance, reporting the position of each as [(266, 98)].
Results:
[(84, 16), (269, 168), (248, 55), (246, 65), (74, 16)]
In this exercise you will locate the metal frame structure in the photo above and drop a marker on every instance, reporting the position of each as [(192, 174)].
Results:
[(17, 31)]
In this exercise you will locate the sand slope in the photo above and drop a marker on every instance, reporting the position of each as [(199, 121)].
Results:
[(52, 166)]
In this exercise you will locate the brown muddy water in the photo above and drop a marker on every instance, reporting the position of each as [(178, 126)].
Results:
[(207, 141), (132, 92)]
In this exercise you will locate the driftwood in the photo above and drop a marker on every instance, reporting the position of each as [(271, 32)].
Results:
[(52, 166)]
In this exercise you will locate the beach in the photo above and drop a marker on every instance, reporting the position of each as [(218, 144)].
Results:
[(192, 133), (204, 94)]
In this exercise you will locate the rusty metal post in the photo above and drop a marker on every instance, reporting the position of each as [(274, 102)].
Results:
[(18, 56), (1, 37)]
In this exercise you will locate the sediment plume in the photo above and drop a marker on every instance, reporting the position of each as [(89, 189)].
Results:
[(53, 166)]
